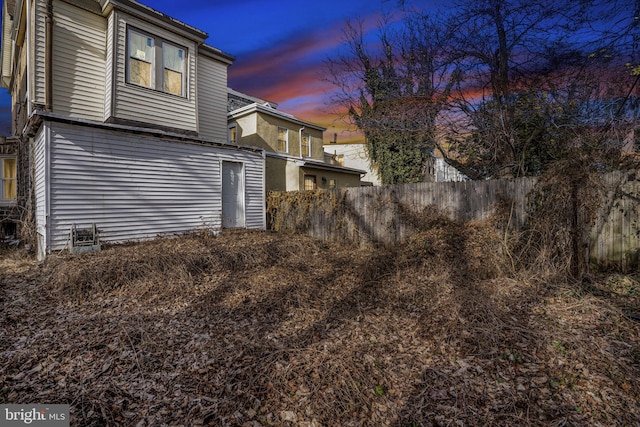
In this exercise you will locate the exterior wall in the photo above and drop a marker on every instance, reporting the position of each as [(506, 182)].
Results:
[(109, 71), (267, 128), (79, 52), (447, 173), (323, 176), (40, 189), (212, 99), (276, 172), (19, 93), (145, 105), (39, 40), (294, 177), (135, 186), (355, 156), (248, 132), (7, 22)]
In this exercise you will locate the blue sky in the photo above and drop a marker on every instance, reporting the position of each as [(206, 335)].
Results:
[(279, 47)]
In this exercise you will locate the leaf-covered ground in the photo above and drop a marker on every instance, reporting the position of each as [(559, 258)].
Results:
[(256, 328)]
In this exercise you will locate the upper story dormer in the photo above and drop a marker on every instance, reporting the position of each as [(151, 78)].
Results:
[(114, 61), (256, 122)]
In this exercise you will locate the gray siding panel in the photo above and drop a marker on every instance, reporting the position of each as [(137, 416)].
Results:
[(212, 99), (40, 9), (39, 162), (79, 52), (147, 105), (137, 186), (108, 86)]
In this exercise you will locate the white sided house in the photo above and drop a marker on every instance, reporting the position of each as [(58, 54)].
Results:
[(122, 112)]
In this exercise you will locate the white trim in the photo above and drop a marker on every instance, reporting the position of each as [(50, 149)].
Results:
[(3, 201), (286, 140), (157, 62), (47, 187), (314, 164), (251, 108)]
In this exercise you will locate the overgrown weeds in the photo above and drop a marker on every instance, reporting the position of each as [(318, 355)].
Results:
[(258, 328)]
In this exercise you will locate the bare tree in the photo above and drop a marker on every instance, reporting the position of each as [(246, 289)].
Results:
[(394, 93), (537, 76), (502, 88)]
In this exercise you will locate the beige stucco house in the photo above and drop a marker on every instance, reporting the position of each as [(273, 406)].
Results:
[(295, 158)]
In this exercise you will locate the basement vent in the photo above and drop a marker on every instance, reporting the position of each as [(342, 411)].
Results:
[(83, 240)]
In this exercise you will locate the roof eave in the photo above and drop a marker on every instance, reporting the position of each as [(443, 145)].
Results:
[(252, 108), (144, 11)]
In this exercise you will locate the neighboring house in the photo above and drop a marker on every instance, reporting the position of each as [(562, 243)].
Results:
[(438, 170), (295, 158), (354, 155), (9, 215), (122, 113)]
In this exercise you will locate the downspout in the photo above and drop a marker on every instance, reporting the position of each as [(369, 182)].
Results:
[(48, 103), (300, 140), (28, 36)]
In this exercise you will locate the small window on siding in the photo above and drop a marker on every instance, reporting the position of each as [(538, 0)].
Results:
[(333, 183), (9, 174), (141, 59), (233, 134), (156, 63), (283, 140), (173, 60), (310, 182)]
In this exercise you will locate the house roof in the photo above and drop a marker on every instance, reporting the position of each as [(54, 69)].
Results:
[(134, 6), (266, 109), (236, 100), (36, 119), (216, 53), (316, 164)]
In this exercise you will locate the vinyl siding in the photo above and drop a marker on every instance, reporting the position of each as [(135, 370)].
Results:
[(137, 186), (212, 99), (39, 11), (79, 51), (147, 105), (39, 161), (108, 86)]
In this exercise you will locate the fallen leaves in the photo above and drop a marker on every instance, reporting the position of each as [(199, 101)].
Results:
[(248, 329)]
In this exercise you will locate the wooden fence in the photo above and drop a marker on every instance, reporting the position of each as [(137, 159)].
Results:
[(386, 214)]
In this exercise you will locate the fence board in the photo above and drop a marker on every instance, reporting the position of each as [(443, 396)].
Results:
[(383, 214)]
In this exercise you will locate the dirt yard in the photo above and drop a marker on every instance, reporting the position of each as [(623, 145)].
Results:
[(257, 328)]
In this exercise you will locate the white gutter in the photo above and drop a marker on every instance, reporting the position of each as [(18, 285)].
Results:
[(300, 140)]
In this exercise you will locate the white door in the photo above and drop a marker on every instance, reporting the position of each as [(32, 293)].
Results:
[(232, 195)]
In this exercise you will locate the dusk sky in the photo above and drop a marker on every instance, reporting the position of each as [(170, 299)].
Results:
[(279, 47)]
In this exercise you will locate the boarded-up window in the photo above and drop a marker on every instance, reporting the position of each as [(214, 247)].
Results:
[(282, 139), (173, 69), (141, 59), (9, 173), (156, 64)]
